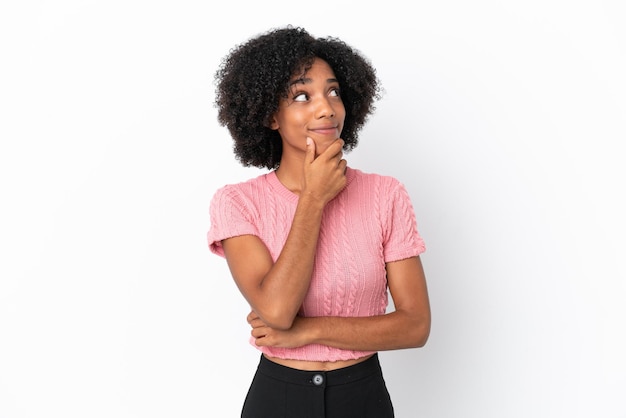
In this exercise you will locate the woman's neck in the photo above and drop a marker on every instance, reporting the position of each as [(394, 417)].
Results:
[(290, 173)]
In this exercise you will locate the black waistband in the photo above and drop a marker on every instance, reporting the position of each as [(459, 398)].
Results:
[(328, 378)]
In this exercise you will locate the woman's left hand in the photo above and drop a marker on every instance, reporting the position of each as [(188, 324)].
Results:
[(269, 337)]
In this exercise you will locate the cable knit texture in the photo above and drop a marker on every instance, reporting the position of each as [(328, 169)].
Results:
[(369, 223)]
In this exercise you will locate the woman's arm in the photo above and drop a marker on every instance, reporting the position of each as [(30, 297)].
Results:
[(275, 291), (406, 327)]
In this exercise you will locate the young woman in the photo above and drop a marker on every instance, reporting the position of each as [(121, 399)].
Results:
[(313, 245)]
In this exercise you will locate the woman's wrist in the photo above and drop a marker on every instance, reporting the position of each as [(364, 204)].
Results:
[(313, 329)]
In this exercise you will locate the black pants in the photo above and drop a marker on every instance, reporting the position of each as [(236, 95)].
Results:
[(357, 391)]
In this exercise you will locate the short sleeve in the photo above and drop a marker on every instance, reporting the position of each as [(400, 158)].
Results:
[(402, 239), (231, 215)]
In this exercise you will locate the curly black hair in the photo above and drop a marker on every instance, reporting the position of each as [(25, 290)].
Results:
[(255, 75)]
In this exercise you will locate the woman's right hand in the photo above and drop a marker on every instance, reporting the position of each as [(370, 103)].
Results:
[(324, 175)]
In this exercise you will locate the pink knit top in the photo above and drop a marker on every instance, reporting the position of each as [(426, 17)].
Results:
[(370, 222)]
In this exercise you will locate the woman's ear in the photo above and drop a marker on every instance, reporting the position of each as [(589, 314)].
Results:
[(274, 123)]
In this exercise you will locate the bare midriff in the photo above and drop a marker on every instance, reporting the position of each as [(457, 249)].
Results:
[(317, 365)]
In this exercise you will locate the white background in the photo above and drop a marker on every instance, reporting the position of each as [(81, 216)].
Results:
[(505, 120)]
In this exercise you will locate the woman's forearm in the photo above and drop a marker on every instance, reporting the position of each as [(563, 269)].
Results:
[(284, 286), (391, 331)]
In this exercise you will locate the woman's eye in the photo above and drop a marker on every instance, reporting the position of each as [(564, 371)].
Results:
[(300, 97), (335, 93)]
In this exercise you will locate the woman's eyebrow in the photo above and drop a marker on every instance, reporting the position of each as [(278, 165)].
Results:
[(302, 80), (306, 80)]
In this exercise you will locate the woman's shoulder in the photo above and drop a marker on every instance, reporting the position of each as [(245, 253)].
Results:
[(371, 179), (241, 191)]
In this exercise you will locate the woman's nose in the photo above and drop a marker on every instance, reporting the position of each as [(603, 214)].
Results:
[(325, 109)]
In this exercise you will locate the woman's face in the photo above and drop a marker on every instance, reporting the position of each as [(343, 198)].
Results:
[(313, 108)]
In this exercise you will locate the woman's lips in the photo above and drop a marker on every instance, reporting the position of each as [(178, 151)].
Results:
[(331, 130)]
